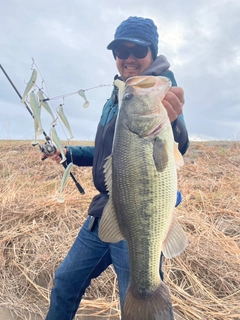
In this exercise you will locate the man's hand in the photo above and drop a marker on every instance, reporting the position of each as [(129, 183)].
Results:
[(56, 156), (173, 102)]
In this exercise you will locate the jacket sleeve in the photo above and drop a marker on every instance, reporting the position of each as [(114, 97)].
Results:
[(180, 134), (80, 156), (178, 126)]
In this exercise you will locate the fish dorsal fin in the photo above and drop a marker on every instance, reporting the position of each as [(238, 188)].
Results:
[(176, 240), (178, 156), (109, 230), (160, 154), (121, 86), (107, 170)]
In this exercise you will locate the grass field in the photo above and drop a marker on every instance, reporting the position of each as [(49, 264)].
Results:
[(36, 232)]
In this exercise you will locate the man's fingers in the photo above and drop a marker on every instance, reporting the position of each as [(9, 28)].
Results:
[(173, 102), (178, 92), (172, 114)]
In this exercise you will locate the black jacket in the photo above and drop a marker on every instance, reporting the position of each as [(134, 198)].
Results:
[(95, 156)]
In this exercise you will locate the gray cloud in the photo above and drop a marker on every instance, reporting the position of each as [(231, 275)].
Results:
[(68, 43)]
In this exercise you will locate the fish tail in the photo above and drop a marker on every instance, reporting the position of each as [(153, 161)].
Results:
[(156, 305)]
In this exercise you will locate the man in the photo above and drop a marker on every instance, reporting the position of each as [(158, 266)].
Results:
[(135, 48)]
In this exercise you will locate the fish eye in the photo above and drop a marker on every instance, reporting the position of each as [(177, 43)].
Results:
[(128, 96)]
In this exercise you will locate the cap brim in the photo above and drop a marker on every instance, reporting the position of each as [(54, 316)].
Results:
[(112, 45)]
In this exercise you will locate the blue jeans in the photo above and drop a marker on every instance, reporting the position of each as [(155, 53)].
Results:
[(87, 259)]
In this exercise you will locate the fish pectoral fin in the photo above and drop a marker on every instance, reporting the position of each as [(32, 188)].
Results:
[(176, 240), (109, 230), (160, 154), (178, 156)]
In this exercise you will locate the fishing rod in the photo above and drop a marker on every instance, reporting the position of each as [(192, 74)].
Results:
[(48, 148)]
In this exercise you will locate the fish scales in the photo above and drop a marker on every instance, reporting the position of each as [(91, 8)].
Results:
[(141, 176), (141, 191)]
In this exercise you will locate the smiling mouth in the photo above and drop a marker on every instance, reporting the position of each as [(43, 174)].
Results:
[(131, 67)]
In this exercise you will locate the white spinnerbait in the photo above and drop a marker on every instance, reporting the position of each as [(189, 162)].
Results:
[(64, 120), (64, 181), (45, 104), (82, 94), (36, 112), (30, 84), (57, 142)]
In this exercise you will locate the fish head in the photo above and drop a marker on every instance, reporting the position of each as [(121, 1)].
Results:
[(141, 106)]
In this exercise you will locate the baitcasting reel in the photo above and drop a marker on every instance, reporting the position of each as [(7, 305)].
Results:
[(47, 148)]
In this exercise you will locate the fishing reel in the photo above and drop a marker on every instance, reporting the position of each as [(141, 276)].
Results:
[(47, 148)]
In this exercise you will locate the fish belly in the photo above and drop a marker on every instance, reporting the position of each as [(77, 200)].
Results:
[(144, 199)]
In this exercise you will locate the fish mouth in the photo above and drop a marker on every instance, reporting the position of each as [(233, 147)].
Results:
[(142, 82), (146, 84)]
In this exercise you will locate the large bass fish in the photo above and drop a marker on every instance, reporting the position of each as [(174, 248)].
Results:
[(141, 176)]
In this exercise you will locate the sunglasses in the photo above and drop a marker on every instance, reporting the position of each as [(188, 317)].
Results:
[(138, 51)]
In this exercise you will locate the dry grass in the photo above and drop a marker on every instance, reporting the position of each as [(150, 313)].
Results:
[(36, 233)]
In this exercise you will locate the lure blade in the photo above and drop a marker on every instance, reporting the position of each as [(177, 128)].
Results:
[(30, 84), (57, 142), (36, 112), (45, 104), (86, 104), (64, 181), (64, 120), (82, 94)]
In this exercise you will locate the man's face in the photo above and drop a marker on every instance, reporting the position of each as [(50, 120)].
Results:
[(132, 66)]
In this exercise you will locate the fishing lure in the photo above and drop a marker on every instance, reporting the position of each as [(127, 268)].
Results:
[(45, 104), (30, 84), (82, 94), (57, 142), (64, 181), (35, 141), (36, 112), (48, 148), (64, 120)]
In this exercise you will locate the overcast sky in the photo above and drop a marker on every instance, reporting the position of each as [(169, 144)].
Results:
[(68, 40)]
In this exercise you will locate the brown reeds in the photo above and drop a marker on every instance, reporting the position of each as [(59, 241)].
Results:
[(36, 232)]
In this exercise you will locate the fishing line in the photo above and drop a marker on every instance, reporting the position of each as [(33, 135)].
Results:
[(81, 92), (43, 81), (43, 85), (47, 138), (76, 92), (32, 66), (19, 41), (29, 55)]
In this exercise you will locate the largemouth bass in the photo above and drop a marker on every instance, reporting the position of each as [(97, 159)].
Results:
[(141, 177)]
